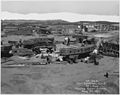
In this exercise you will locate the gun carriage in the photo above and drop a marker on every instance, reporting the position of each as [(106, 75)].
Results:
[(71, 54), (37, 43)]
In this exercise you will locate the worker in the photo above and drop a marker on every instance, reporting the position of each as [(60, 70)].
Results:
[(95, 51), (49, 59), (60, 58), (67, 41), (99, 43), (94, 56), (13, 46), (86, 59), (84, 42), (42, 56), (20, 43)]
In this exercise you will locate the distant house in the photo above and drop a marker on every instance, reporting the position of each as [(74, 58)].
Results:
[(102, 27), (115, 26)]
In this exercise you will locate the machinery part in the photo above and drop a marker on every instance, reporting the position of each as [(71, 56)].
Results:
[(77, 50), (71, 59), (43, 42), (36, 50), (109, 49), (72, 54)]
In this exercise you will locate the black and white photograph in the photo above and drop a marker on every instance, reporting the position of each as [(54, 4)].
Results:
[(60, 46)]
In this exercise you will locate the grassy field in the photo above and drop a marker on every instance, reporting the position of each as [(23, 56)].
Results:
[(58, 78)]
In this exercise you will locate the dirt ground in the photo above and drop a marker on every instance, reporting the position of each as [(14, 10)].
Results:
[(59, 78)]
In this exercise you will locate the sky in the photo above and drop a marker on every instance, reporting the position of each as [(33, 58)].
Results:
[(77, 10), (81, 7)]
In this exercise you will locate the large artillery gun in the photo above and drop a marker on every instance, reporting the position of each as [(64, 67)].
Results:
[(36, 44), (42, 42), (79, 49), (71, 54)]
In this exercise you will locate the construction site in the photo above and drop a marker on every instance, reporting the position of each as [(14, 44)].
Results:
[(45, 62)]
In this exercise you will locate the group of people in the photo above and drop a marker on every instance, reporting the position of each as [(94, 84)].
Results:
[(95, 53), (51, 53), (19, 44), (48, 54), (85, 41)]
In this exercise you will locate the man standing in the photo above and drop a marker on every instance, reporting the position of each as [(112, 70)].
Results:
[(20, 43), (95, 51), (67, 41), (99, 43), (84, 42), (94, 56)]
